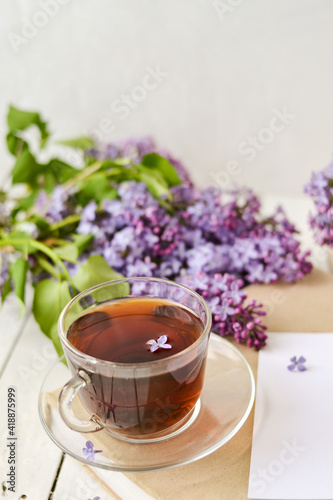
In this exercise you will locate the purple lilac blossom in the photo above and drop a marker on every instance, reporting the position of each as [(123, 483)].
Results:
[(230, 316), (56, 206), (320, 189)]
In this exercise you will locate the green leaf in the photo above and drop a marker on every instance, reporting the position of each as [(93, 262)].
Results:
[(154, 181), (61, 171), (49, 300), (95, 271), (68, 252), (82, 241), (26, 170), (55, 172), (7, 288), (19, 274), (97, 189), (84, 142), (21, 120), (16, 145), (168, 171)]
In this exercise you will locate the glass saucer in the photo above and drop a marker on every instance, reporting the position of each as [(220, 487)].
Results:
[(226, 401)]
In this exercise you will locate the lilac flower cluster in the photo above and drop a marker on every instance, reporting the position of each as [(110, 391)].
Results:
[(137, 236), (225, 297), (320, 188), (232, 237), (57, 206), (215, 247)]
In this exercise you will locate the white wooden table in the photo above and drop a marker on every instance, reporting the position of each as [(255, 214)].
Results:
[(43, 471)]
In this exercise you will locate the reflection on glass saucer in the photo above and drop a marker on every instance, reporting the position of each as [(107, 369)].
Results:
[(226, 401)]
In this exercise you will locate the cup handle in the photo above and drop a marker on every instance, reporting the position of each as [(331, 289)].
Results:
[(66, 398)]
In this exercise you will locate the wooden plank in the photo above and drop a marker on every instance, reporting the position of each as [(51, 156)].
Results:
[(37, 457), (76, 483)]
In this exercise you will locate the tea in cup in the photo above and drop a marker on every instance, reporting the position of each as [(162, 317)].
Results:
[(137, 349)]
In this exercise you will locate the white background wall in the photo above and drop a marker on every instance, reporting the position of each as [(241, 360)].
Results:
[(229, 67)]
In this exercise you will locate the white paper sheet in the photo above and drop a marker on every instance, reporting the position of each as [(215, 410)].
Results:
[(292, 450)]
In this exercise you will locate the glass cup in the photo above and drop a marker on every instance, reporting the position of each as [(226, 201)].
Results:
[(141, 401)]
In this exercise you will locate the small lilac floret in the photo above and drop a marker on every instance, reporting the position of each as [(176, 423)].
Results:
[(297, 364), (89, 451), (159, 344)]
